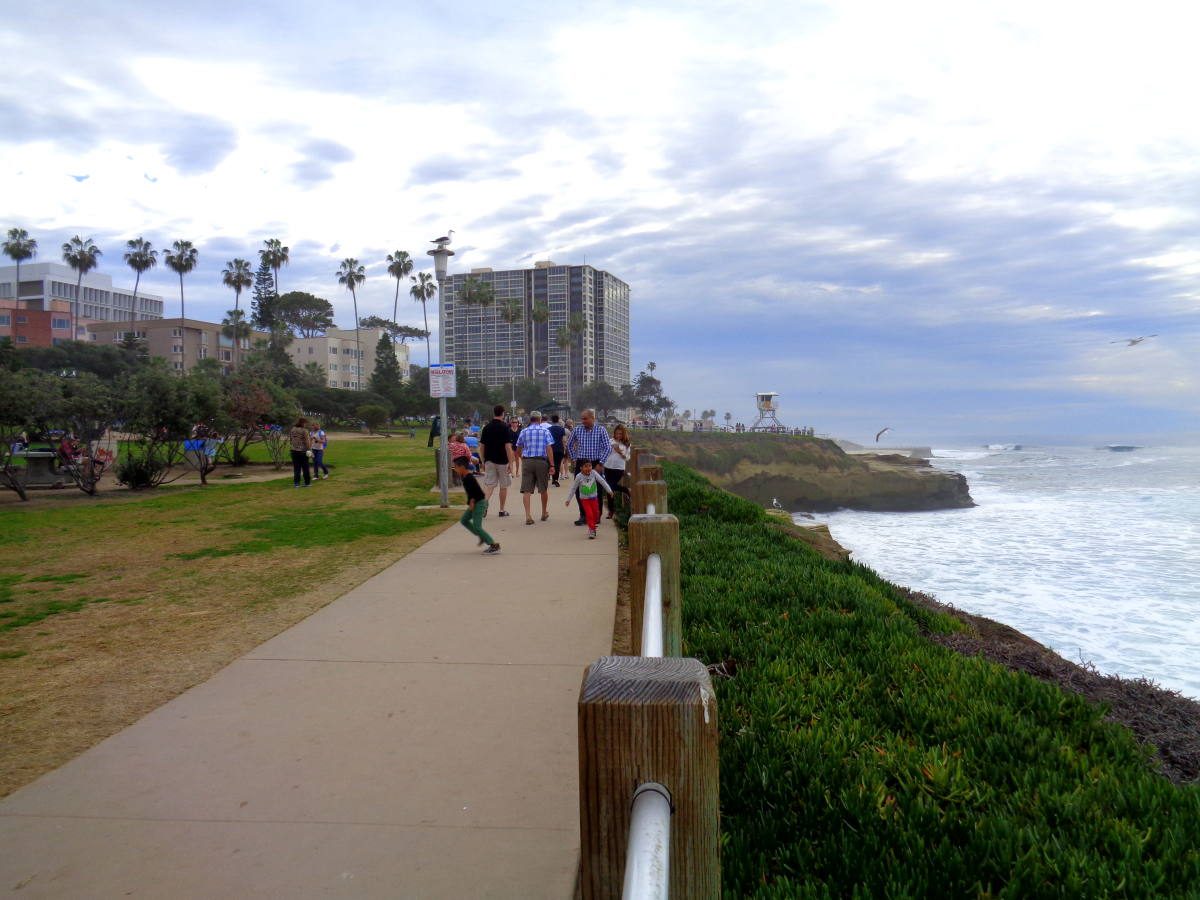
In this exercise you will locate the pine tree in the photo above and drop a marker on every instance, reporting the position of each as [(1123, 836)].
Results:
[(262, 307), (386, 377)]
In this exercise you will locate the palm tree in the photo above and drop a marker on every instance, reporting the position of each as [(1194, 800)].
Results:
[(82, 256), (351, 274), (400, 265), (728, 418), (511, 311), (236, 275), (140, 257), (566, 338), (182, 261), (476, 292), (422, 291), (275, 255), (539, 314), (19, 246)]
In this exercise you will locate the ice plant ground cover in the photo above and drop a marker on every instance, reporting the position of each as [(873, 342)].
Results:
[(860, 758)]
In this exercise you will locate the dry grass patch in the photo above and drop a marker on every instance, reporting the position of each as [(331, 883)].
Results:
[(108, 610)]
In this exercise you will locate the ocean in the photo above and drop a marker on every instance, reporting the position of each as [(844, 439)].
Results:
[(1092, 552)]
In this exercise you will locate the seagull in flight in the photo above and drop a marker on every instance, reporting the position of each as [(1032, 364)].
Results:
[(1133, 342), (880, 432), (80, 177)]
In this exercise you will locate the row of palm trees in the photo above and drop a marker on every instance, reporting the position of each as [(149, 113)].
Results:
[(82, 255)]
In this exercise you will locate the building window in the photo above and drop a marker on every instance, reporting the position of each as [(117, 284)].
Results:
[(177, 348), (5, 319), (22, 320), (21, 339), (333, 350), (333, 382), (333, 367), (176, 332), (60, 323), (310, 351)]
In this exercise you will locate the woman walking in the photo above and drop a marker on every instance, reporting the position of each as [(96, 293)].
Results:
[(301, 445), (614, 467)]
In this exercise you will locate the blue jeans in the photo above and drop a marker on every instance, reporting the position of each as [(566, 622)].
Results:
[(319, 462)]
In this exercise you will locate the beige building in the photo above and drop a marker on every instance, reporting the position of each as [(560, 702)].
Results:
[(171, 339), (335, 353)]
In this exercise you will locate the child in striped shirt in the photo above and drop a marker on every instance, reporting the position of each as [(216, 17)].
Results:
[(587, 485)]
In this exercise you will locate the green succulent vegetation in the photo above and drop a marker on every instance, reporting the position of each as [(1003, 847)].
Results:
[(860, 759)]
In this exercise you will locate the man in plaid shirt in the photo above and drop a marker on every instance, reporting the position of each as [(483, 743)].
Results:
[(534, 442), (589, 442)]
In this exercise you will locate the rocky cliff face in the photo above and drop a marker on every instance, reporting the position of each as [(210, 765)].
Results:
[(811, 473)]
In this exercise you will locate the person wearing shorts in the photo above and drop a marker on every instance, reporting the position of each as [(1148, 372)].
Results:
[(537, 455), (499, 458)]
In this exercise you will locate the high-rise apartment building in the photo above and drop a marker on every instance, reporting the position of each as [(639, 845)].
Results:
[(503, 341), (45, 299)]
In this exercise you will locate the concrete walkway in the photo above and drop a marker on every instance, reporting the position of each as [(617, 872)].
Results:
[(415, 738)]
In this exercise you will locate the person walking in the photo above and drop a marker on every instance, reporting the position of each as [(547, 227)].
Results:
[(537, 464), (558, 436), (614, 467), (589, 442), (586, 489), (499, 458), (472, 519), (301, 443), (319, 442)]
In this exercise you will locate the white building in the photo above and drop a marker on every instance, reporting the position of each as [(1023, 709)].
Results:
[(50, 286), (335, 353), (480, 340)]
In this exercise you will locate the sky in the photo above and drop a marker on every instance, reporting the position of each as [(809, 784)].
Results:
[(941, 217)]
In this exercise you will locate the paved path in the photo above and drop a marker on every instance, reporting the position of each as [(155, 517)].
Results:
[(415, 738)]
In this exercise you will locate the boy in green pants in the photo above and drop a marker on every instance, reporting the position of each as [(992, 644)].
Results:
[(472, 519)]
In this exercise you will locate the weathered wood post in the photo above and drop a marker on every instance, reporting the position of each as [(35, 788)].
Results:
[(659, 534), (646, 493), (644, 720)]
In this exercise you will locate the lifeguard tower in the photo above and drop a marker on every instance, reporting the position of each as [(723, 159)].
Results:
[(766, 404)]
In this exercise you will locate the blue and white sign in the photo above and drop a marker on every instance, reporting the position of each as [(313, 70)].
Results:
[(442, 381)]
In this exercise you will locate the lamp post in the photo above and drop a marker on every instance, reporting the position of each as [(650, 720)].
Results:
[(441, 254)]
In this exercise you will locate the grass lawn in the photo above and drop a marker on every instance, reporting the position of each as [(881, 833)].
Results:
[(111, 605)]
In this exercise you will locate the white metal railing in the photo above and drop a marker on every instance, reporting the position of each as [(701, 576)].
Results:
[(648, 858), (652, 609)]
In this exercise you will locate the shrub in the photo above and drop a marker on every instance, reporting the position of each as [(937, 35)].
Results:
[(859, 758)]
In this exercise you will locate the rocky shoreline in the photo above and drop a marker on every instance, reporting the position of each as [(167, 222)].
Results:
[(812, 474), (1165, 721)]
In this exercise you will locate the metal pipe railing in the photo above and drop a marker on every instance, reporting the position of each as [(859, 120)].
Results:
[(652, 609), (648, 857)]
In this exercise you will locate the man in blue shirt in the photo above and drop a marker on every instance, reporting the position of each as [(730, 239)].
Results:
[(589, 442), (537, 465), (557, 433)]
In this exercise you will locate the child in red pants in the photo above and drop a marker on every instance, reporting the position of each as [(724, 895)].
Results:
[(587, 485)]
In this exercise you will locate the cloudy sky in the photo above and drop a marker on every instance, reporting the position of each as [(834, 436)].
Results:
[(934, 216)]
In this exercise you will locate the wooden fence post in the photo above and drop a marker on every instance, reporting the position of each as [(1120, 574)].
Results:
[(646, 720), (646, 492), (655, 534)]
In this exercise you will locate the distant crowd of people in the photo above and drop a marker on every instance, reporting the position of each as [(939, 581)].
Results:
[(538, 452)]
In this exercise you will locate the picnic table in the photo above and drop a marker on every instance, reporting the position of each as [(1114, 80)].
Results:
[(41, 469)]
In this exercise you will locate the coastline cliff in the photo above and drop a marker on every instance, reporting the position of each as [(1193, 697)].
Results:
[(811, 474)]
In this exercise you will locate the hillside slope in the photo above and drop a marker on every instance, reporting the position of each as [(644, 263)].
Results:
[(812, 474)]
